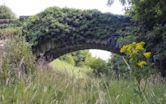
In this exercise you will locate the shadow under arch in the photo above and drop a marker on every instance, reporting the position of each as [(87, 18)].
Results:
[(48, 54)]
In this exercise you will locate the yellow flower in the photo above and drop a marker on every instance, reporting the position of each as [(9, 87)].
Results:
[(133, 48), (147, 54), (128, 48), (141, 63), (139, 46), (134, 52), (123, 49)]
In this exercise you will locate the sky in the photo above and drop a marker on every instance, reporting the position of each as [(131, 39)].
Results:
[(31, 7)]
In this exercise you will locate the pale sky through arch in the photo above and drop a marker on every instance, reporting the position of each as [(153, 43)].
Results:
[(31, 7)]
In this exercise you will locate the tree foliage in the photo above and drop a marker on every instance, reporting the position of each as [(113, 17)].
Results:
[(79, 58), (98, 65), (6, 13), (150, 14), (83, 58)]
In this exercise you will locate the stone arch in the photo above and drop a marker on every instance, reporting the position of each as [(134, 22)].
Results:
[(57, 31), (50, 53)]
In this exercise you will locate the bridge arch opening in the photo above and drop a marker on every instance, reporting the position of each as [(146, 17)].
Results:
[(53, 53)]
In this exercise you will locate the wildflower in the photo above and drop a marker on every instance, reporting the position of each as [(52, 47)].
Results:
[(123, 49), (139, 46), (134, 52), (126, 48), (141, 63), (129, 49), (147, 54)]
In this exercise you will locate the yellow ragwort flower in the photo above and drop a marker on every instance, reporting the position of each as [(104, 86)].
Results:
[(147, 54), (123, 49), (134, 52), (129, 48), (139, 46), (133, 48), (141, 63)]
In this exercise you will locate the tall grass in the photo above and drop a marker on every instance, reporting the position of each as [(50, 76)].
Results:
[(65, 67), (59, 87), (9, 33)]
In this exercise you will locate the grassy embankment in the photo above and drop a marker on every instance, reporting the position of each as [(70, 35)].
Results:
[(67, 87)]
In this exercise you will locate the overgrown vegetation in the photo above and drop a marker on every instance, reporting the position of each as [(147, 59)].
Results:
[(51, 87), (72, 22), (150, 14), (140, 67), (17, 61), (6, 13), (9, 33), (79, 78)]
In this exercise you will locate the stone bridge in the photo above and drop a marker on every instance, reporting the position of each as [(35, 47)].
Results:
[(58, 31)]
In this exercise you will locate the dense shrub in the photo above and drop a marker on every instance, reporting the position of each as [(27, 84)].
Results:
[(98, 65), (17, 61), (78, 58)]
